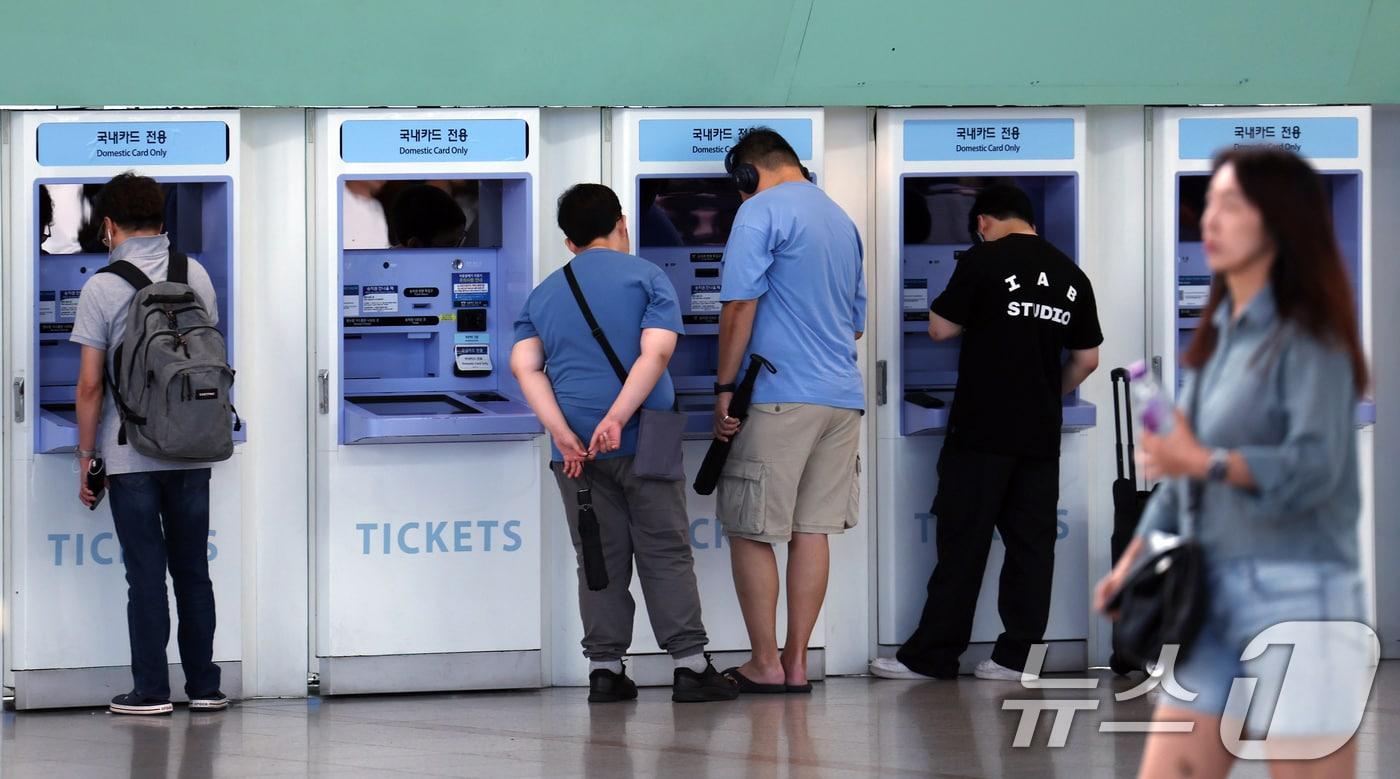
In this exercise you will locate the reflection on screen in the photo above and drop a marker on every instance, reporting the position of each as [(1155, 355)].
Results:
[(66, 221), (1191, 204), (936, 209), (686, 211), (420, 213)]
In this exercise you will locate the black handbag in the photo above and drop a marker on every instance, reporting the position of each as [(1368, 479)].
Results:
[(659, 433), (1163, 599)]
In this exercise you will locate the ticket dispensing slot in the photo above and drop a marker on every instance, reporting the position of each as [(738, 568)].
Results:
[(427, 322), (935, 234), (197, 218), (684, 225)]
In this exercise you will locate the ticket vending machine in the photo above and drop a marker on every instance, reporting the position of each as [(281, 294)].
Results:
[(1336, 140), (668, 171), (931, 165), (428, 461), (67, 620)]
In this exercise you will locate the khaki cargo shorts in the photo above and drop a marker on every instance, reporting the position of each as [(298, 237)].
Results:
[(794, 468)]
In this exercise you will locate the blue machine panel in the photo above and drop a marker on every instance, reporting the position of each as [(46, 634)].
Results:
[(684, 225), (198, 215), (1342, 190), (934, 226), (426, 332)]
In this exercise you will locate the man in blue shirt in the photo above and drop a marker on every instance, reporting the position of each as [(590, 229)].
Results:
[(581, 398), (794, 292)]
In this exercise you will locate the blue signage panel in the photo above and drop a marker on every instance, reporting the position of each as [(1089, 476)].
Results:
[(708, 140), (133, 143), (928, 140), (1328, 137), (437, 140)]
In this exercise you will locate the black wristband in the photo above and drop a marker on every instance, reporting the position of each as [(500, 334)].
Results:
[(722, 388)]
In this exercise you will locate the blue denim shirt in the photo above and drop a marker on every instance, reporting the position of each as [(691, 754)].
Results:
[(1286, 402)]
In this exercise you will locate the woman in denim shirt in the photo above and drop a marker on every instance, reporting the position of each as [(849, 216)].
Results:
[(1275, 369)]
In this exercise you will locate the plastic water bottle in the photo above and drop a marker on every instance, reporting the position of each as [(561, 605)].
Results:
[(1156, 412)]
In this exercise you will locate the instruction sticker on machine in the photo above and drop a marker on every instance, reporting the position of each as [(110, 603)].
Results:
[(916, 294), (48, 307), (68, 303), (473, 351), (704, 299), (350, 300), (471, 290), (1192, 292), (381, 299)]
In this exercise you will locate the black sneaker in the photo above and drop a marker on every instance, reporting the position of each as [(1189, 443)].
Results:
[(703, 687), (604, 686), (132, 703), (216, 702)]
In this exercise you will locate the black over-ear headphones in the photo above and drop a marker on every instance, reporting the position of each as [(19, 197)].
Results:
[(745, 174)]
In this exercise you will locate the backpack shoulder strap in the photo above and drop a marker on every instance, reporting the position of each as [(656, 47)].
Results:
[(129, 273), (598, 334), (178, 269)]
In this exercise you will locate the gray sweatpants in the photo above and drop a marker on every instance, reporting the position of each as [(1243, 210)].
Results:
[(645, 520)]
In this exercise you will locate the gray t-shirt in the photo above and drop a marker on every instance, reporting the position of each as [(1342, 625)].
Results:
[(101, 324)]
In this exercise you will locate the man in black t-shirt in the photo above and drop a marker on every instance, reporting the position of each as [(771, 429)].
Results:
[(1019, 305)]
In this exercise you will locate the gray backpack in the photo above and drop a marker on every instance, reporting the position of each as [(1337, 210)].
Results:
[(170, 374)]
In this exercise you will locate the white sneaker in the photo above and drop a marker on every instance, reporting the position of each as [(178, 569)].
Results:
[(890, 668), (994, 671)]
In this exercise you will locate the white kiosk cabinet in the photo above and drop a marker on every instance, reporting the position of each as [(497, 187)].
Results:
[(668, 171), (428, 466), (66, 625), (1336, 140), (930, 165)]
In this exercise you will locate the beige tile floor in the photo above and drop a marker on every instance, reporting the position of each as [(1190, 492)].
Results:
[(848, 727)]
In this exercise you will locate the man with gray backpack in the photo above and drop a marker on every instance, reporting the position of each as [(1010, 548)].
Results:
[(154, 381)]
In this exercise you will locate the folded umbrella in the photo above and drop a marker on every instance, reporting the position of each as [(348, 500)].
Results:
[(710, 469)]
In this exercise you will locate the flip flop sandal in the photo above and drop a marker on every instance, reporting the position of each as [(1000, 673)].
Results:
[(798, 688), (750, 687)]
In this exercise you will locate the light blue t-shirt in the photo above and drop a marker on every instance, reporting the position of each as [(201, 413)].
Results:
[(797, 253), (627, 294)]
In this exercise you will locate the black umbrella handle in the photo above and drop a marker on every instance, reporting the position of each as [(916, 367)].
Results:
[(708, 477), (739, 406)]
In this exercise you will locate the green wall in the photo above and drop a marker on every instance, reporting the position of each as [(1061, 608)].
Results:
[(704, 52)]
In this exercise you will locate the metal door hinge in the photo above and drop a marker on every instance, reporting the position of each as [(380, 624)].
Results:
[(19, 400), (323, 391)]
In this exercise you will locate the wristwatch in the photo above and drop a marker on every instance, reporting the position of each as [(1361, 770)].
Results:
[(84, 454), (1219, 467), (722, 388)]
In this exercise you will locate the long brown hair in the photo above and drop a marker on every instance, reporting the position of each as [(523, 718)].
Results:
[(1310, 284)]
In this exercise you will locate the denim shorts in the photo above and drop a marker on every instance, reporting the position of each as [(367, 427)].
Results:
[(1321, 649)]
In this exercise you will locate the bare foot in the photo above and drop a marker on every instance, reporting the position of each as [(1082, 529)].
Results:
[(794, 668)]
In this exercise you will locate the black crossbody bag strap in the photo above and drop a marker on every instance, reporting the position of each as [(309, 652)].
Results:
[(598, 334)]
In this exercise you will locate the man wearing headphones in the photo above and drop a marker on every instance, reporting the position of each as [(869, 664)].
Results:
[(794, 292)]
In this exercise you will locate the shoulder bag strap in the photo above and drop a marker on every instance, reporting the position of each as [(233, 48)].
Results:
[(597, 331)]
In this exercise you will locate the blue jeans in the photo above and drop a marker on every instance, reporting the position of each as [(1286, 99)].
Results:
[(162, 521), (1249, 595)]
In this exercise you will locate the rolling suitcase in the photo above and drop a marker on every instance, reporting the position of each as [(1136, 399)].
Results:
[(1128, 500)]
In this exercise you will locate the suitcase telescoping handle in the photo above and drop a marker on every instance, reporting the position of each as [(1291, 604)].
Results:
[(1122, 421)]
